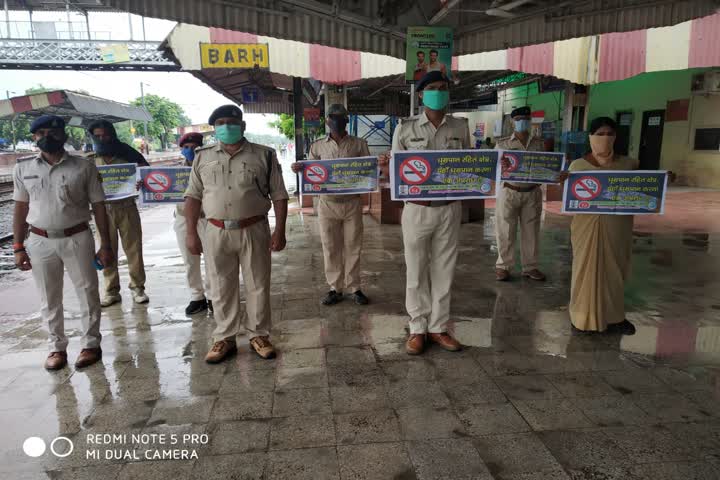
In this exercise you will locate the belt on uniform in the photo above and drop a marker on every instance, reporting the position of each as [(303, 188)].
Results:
[(236, 224), (120, 203), (68, 232), (339, 198), (520, 189), (434, 203)]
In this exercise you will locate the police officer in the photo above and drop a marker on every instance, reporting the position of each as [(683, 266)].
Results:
[(340, 216), (430, 228), (123, 215), (52, 193), (198, 302), (235, 183), (519, 202)]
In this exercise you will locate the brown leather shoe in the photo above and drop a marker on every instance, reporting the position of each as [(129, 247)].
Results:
[(502, 275), (445, 341), (263, 347), (535, 274), (87, 357), (56, 361), (220, 351), (415, 344)]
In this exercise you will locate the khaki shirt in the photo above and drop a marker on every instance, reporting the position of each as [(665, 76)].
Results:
[(535, 144), (328, 149), (236, 187), (60, 195), (418, 133)]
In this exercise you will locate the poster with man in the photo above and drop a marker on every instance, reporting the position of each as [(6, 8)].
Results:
[(428, 49)]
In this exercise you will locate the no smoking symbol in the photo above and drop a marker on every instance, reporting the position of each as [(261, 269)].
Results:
[(157, 182), (586, 188), (513, 161), (316, 173), (415, 170)]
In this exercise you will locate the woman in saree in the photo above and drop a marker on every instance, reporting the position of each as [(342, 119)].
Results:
[(601, 245)]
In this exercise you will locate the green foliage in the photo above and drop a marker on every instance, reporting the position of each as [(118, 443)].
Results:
[(265, 139), (285, 124), (166, 114)]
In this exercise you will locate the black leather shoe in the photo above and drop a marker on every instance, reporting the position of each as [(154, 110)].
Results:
[(622, 328), (360, 298), (210, 307), (332, 298), (196, 306)]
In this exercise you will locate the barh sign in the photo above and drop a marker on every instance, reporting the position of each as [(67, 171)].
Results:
[(234, 55)]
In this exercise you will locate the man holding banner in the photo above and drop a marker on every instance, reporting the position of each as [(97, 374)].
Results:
[(340, 216), (123, 215), (431, 228), (519, 202)]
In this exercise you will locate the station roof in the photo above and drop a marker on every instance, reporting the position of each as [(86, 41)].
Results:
[(379, 26), (59, 5), (78, 109)]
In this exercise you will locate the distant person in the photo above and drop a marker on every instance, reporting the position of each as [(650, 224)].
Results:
[(489, 143), (200, 298), (123, 215), (236, 182), (421, 66), (53, 194), (340, 216), (435, 65)]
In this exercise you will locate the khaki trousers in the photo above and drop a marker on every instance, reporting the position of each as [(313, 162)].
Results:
[(228, 251), (193, 274), (341, 233), (124, 222), (430, 236), (49, 257), (525, 207)]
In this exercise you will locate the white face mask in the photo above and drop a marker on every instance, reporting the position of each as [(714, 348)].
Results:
[(522, 125)]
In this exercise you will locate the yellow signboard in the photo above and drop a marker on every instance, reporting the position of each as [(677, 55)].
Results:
[(115, 54), (234, 55)]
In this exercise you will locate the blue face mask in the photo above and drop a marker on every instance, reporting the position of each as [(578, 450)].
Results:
[(436, 99), (188, 153), (229, 134), (522, 125)]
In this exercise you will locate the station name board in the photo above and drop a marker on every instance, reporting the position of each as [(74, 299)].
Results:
[(234, 55)]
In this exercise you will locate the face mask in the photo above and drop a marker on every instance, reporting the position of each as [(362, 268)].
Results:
[(50, 144), (522, 125), (229, 134), (104, 148), (337, 125), (602, 147), (436, 99), (188, 153)]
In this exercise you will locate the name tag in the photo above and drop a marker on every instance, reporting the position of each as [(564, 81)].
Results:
[(29, 177), (417, 139)]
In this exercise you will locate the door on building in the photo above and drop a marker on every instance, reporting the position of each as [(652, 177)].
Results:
[(651, 139), (622, 141)]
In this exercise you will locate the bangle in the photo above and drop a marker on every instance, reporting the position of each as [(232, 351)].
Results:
[(18, 246), (19, 250)]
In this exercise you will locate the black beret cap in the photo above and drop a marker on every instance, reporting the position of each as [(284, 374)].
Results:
[(191, 137), (47, 121), (226, 111), (431, 77), (520, 111)]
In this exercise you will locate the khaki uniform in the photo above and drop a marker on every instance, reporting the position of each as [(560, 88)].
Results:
[(341, 218), (123, 222), (523, 206), (238, 187), (430, 234), (60, 196), (193, 275)]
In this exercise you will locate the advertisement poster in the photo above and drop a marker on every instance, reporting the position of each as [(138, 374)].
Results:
[(118, 180), (164, 184), (444, 175), (428, 49), (342, 176), (533, 167), (617, 192)]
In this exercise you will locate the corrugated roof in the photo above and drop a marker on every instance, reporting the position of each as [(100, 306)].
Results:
[(378, 26)]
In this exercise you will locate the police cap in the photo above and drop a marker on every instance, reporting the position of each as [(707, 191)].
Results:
[(520, 112), (191, 137), (226, 111), (337, 109), (47, 121), (431, 77)]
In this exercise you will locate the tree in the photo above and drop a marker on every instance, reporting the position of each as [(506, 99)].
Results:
[(286, 125), (166, 114)]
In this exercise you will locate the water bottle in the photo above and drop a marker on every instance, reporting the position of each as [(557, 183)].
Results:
[(97, 264)]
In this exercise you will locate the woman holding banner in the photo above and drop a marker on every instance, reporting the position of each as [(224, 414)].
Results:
[(602, 246)]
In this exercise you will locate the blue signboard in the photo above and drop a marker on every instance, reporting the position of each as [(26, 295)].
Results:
[(164, 184), (342, 176), (444, 175), (616, 192), (118, 180), (533, 167)]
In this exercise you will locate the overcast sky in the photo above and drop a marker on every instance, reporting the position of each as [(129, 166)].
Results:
[(197, 99)]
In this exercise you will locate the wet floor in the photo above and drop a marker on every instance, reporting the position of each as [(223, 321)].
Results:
[(525, 400)]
